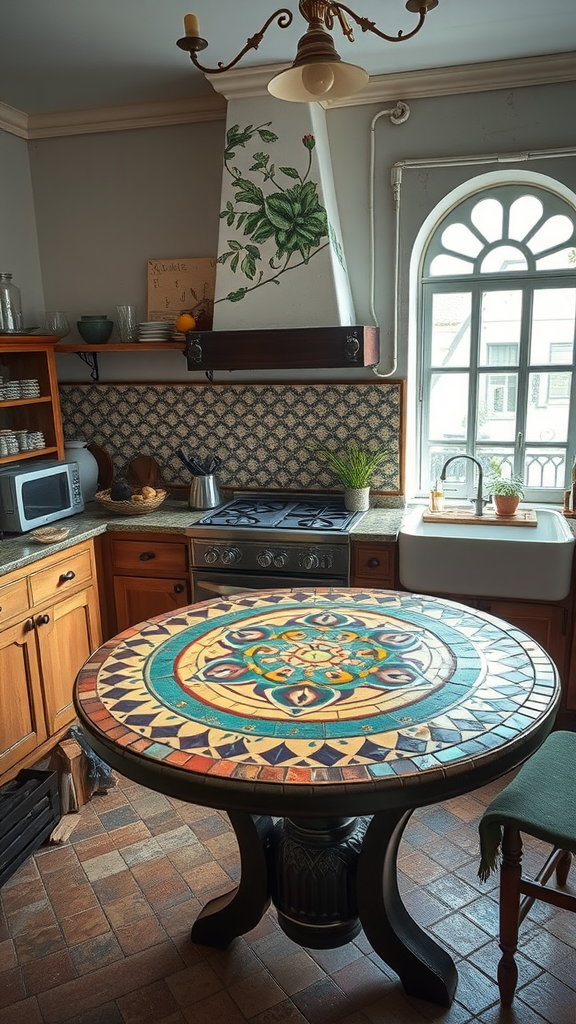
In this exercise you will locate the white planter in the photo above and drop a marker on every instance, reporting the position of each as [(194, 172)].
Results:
[(357, 499), (76, 451)]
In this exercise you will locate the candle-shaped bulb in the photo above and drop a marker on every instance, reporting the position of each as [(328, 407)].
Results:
[(191, 26)]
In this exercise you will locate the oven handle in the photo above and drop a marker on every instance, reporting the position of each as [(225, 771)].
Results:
[(221, 589)]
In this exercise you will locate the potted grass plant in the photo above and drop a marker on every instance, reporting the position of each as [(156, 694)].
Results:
[(354, 466), (506, 491)]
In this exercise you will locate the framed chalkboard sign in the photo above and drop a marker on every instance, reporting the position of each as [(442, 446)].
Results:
[(182, 285)]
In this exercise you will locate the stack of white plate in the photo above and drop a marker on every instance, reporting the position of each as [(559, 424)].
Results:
[(160, 330)]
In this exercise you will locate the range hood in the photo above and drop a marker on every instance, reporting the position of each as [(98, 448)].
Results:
[(283, 348)]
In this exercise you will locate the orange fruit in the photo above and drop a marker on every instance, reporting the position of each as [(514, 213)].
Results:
[(185, 322)]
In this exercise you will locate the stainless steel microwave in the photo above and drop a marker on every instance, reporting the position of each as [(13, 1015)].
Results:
[(36, 493)]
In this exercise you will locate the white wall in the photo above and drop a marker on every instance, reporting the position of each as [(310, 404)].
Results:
[(18, 246)]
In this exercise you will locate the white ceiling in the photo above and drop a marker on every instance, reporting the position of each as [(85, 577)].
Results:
[(60, 55)]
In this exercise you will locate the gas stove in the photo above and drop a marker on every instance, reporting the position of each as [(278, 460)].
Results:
[(275, 540)]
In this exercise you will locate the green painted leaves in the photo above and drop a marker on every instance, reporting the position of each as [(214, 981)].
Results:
[(290, 215)]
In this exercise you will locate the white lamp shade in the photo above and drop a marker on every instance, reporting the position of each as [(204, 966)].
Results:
[(311, 82)]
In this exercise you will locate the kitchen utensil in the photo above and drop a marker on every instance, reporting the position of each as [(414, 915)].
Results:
[(105, 465), (196, 467), (144, 471), (204, 492)]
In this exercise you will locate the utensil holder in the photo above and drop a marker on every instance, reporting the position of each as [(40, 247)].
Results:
[(204, 492)]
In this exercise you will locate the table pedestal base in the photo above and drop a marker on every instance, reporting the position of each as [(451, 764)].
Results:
[(328, 879)]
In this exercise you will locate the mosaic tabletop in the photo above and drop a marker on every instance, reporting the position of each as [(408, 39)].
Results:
[(318, 687)]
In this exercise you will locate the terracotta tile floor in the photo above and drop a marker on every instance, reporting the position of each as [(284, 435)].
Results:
[(96, 930)]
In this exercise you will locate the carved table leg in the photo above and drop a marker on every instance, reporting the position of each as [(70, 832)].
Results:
[(241, 908), (425, 969)]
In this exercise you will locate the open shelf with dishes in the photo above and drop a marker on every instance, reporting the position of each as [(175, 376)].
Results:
[(30, 418)]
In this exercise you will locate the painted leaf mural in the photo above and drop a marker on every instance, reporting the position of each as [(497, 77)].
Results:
[(278, 220)]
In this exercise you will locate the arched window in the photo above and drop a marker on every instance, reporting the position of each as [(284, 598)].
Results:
[(497, 343)]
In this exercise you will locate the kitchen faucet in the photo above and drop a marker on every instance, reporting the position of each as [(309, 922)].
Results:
[(478, 501)]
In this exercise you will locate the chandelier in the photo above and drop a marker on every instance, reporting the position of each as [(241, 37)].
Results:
[(317, 72)]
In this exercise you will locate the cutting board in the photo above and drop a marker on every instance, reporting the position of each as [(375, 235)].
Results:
[(463, 514), (144, 471)]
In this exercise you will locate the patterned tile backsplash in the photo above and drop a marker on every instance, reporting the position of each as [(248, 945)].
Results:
[(262, 431)]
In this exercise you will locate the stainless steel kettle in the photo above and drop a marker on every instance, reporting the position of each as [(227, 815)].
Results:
[(204, 492)]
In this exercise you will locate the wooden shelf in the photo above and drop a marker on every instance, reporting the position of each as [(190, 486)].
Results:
[(123, 346)]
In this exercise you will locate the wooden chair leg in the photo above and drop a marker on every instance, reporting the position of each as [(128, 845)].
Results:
[(563, 867), (510, 875)]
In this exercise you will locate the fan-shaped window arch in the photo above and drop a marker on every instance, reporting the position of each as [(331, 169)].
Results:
[(498, 339)]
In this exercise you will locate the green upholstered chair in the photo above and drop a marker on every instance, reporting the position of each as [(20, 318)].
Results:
[(540, 801)]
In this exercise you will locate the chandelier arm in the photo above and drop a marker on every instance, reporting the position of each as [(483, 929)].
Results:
[(284, 18), (335, 9)]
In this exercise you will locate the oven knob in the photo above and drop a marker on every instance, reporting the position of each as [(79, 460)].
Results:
[(280, 559), (326, 562), (265, 558), (230, 555), (211, 555), (310, 561)]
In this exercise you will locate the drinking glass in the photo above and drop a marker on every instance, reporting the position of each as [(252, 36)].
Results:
[(56, 323), (127, 322)]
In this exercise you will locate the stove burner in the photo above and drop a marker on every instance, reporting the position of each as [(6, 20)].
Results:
[(326, 515)]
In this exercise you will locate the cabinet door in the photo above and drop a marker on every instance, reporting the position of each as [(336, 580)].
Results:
[(22, 724), (543, 622), (373, 565), (137, 599), (67, 633)]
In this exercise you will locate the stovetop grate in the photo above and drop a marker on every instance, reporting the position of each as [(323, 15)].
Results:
[(261, 511)]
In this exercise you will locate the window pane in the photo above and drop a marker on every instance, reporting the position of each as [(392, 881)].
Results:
[(560, 260), (441, 265), (451, 329), (545, 468), (459, 238), (487, 216), (548, 406), (497, 398), (504, 260), (500, 327), (524, 214), (553, 316), (553, 232), (448, 406)]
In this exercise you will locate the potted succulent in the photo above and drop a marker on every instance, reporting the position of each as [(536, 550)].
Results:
[(354, 466), (506, 491)]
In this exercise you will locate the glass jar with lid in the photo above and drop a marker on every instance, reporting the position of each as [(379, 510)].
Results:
[(10, 305)]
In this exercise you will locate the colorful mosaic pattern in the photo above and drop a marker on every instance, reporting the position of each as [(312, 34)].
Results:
[(358, 683), (262, 431)]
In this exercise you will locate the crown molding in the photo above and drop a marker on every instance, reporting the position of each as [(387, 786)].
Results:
[(464, 78), (13, 121), (246, 82), (115, 119)]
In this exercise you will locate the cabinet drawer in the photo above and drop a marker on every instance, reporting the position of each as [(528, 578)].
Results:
[(373, 563), (13, 600), (151, 558), (55, 581)]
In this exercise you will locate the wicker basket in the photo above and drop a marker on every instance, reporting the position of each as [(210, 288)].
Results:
[(130, 508)]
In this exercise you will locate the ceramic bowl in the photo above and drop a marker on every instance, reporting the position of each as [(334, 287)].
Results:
[(95, 332)]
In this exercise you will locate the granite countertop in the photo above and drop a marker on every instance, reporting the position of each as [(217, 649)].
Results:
[(20, 550)]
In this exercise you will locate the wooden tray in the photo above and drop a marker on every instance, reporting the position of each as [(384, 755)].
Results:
[(462, 514)]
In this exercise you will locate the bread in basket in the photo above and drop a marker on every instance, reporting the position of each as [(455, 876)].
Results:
[(138, 505)]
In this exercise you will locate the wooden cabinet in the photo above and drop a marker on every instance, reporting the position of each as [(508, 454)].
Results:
[(147, 574), (373, 565), (49, 625), (25, 359)]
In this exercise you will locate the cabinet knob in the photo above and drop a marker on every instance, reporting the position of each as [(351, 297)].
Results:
[(67, 576), (178, 588), (29, 625), (373, 563), (42, 620), (147, 556)]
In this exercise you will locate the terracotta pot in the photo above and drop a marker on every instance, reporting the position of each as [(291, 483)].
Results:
[(506, 504)]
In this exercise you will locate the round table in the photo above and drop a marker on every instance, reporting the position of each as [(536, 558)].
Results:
[(319, 720)]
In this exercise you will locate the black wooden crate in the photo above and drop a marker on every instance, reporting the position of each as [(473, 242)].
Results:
[(29, 812)]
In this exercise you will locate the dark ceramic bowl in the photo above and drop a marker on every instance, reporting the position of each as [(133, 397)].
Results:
[(94, 316), (95, 332)]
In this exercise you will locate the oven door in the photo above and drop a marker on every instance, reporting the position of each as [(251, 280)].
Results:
[(206, 584)]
